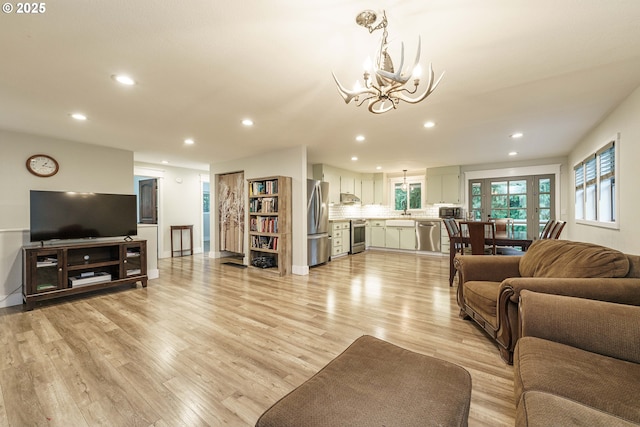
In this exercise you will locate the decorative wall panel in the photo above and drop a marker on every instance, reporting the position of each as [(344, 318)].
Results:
[(231, 212)]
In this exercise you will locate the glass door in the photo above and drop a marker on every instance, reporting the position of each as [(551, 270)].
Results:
[(476, 204), (509, 200), (544, 201), (527, 200)]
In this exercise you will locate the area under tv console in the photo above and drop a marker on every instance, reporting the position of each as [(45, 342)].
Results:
[(56, 271)]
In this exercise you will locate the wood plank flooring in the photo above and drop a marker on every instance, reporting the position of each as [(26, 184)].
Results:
[(209, 344)]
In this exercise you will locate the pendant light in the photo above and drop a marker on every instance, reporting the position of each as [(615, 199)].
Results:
[(404, 182)]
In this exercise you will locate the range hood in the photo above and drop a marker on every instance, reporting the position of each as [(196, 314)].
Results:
[(348, 199)]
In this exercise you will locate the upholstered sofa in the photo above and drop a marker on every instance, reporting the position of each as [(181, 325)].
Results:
[(489, 286), (577, 362)]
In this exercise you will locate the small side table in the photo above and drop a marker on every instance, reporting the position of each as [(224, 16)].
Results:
[(180, 229)]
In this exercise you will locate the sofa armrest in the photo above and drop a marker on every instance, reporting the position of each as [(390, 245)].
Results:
[(487, 268), (596, 326), (484, 268), (618, 290)]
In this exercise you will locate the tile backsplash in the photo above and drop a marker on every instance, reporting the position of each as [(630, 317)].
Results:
[(376, 211)]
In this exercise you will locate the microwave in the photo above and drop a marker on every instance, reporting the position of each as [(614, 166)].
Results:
[(448, 212)]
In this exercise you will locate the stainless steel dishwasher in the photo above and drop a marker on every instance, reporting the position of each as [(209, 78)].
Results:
[(428, 236)]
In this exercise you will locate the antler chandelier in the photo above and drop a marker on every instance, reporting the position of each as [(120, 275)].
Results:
[(387, 87)]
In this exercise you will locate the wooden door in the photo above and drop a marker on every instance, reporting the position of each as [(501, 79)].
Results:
[(148, 201), (231, 212)]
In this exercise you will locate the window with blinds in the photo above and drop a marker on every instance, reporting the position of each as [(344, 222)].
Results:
[(591, 188), (595, 184), (607, 184), (579, 205)]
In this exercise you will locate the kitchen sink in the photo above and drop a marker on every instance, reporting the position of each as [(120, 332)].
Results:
[(400, 223)]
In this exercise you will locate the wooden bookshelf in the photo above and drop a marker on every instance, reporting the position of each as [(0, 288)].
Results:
[(270, 223)]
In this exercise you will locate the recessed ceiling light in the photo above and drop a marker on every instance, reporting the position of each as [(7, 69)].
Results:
[(513, 153), (354, 158), (517, 135), (360, 138), (247, 122), (429, 124), (189, 141), (79, 116), (124, 79), (165, 162), (378, 168)]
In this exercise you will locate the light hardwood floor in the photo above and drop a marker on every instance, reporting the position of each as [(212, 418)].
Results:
[(213, 344)]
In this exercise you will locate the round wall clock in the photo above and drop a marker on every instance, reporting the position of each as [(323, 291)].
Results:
[(42, 165)]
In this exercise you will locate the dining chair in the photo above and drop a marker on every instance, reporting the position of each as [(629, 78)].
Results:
[(544, 234), (453, 230), (557, 229), (504, 230), (482, 236), (504, 226)]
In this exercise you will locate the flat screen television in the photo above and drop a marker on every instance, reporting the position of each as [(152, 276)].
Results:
[(67, 215)]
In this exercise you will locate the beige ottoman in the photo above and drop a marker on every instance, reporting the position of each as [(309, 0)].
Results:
[(375, 383)]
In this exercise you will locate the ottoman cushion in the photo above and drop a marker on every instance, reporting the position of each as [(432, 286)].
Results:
[(375, 383)]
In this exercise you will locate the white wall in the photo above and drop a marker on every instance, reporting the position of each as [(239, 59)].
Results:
[(624, 119), (83, 167), (556, 166), (287, 162), (179, 203)]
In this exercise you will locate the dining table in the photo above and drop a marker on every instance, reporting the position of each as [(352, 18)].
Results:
[(500, 240)]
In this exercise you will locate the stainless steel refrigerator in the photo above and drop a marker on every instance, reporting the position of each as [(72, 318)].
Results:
[(318, 248)]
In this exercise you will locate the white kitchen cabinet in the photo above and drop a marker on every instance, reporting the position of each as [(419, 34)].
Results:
[(330, 175), (367, 197), (340, 238), (377, 233), (351, 184), (443, 185), (334, 186), (392, 238), (372, 189), (347, 184), (407, 236), (444, 240), (340, 181), (400, 238)]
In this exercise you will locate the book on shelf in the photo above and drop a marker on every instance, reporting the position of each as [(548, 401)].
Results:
[(262, 224), (263, 187), (264, 205), (264, 242)]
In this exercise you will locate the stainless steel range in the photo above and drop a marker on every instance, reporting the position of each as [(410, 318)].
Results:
[(358, 227)]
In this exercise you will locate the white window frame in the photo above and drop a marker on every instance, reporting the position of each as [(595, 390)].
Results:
[(597, 222), (416, 179)]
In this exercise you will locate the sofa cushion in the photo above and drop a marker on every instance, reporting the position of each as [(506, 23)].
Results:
[(563, 258), (603, 383), (538, 409), (482, 297)]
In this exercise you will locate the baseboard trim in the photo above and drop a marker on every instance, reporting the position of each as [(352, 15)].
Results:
[(11, 300)]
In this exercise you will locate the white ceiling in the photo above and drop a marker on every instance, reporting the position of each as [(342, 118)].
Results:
[(549, 68)]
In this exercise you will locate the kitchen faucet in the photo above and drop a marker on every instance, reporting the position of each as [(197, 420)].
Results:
[(404, 205)]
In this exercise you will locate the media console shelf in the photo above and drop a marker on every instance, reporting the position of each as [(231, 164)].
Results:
[(59, 270)]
